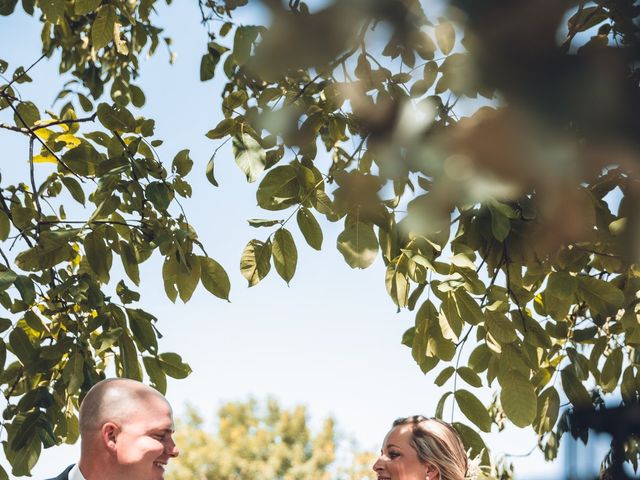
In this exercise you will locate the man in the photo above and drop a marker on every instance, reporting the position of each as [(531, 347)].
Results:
[(126, 432)]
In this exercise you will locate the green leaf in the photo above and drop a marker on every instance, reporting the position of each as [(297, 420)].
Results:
[(157, 377), (601, 297), (82, 7), (279, 189), (469, 376), (129, 358), (3, 355), (22, 347), (5, 226), (430, 74), (574, 389), (208, 67), (52, 9), (500, 225), (140, 323), (26, 289), (98, 255), (182, 163), (138, 99), (586, 18), (310, 228), (243, 39), (472, 441), (48, 253), (548, 408), (75, 189), (358, 245), (611, 371), (224, 128), (473, 409), (445, 36), (479, 358), (249, 155), (440, 406), (6, 8), (24, 458), (397, 281), (169, 274), (187, 277), (500, 327), (6, 279), (160, 195), (285, 254), (257, 222), (82, 160), (561, 285), (116, 117), (103, 27), (209, 173), (444, 375), (450, 320), (518, 399), (130, 261), (255, 261), (173, 366), (214, 278), (73, 372), (468, 308), (27, 112)]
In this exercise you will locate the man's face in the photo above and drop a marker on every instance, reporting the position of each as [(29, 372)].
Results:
[(145, 443)]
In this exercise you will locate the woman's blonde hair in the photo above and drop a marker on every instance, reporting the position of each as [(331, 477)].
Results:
[(438, 444)]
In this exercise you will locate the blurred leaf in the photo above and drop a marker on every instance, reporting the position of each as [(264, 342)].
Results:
[(445, 36), (358, 245), (249, 155)]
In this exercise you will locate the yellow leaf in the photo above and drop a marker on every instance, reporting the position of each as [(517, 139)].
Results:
[(44, 157)]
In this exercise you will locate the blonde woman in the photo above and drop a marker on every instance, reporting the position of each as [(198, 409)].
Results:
[(421, 448)]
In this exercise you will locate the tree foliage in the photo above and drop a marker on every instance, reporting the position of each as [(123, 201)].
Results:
[(255, 441), (491, 166)]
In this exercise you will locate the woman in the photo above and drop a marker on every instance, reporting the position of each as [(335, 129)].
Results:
[(420, 448)]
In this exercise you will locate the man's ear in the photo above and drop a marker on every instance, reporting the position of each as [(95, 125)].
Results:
[(109, 435)]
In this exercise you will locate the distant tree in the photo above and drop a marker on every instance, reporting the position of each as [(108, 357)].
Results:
[(489, 157), (255, 442)]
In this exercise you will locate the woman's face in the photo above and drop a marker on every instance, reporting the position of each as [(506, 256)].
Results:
[(398, 459)]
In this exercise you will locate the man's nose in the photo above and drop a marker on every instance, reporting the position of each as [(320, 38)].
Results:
[(172, 449)]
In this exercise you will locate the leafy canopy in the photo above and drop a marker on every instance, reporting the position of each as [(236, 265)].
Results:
[(493, 170)]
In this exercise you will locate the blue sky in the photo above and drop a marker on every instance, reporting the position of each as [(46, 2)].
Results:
[(331, 340)]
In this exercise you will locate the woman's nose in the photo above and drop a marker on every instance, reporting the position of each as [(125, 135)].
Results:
[(377, 466)]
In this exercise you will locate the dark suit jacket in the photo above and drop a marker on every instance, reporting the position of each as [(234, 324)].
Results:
[(64, 475)]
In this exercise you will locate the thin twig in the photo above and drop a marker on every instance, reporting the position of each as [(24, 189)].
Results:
[(22, 74), (35, 128), (44, 144), (6, 260)]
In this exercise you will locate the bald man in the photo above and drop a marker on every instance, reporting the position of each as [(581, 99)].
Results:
[(126, 432)]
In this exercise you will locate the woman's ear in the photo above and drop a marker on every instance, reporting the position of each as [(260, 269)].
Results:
[(109, 435), (432, 472)]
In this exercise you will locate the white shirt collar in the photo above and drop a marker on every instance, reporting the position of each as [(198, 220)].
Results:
[(76, 474)]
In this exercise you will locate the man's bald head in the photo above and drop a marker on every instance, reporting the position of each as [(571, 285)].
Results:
[(114, 400)]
